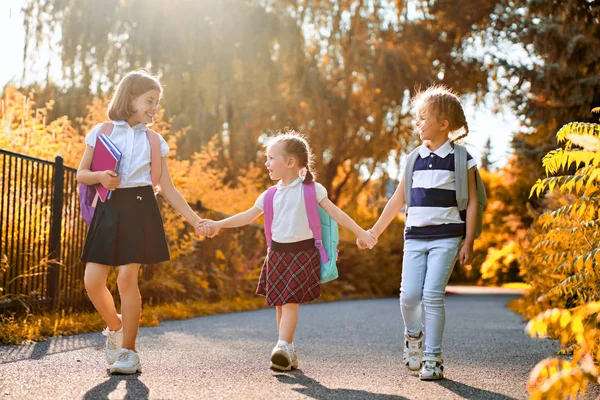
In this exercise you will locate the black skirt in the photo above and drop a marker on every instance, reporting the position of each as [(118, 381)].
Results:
[(126, 229)]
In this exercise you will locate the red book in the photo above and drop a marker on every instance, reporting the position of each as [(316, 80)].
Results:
[(106, 157)]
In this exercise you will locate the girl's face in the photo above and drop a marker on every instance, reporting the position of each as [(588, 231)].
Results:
[(278, 163), (429, 127), (146, 107)]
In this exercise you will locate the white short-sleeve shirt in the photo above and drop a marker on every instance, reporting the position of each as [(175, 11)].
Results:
[(290, 220), (134, 169)]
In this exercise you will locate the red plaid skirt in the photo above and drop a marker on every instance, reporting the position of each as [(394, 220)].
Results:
[(290, 274)]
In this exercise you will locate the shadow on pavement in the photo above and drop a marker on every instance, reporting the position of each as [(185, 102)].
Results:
[(315, 390), (55, 345), (135, 389), (470, 392)]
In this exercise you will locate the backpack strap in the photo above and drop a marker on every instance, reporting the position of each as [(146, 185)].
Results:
[(461, 178), (268, 211), (408, 174), (314, 221), (155, 161)]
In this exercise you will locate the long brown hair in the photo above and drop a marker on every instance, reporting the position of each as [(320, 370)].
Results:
[(444, 104), (134, 84), (295, 145)]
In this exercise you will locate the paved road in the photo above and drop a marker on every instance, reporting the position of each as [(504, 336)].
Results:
[(347, 350)]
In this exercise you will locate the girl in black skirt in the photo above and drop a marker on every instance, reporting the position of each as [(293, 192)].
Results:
[(291, 271), (127, 229)]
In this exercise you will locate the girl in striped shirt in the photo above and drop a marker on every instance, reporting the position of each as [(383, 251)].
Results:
[(436, 233)]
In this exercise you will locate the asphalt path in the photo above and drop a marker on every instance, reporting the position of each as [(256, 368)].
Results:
[(346, 350)]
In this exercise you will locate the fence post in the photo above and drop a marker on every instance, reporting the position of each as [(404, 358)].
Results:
[(55, 231)]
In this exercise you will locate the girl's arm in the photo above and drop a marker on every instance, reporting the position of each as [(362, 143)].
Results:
[(391, 209), (108, 179), (344, 220), (241, 219), (174, 197), (211, 228), (466, 253)]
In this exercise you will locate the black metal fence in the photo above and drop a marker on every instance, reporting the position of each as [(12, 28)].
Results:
[(42, 236), (41, 233)]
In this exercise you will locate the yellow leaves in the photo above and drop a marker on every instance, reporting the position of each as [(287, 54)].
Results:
[(587, 142), (556, 379)]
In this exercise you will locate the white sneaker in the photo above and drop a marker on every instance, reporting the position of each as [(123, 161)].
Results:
[(294, 358), (114, 342), (413, 351), (128, 362), (433, 368), (280, 358)]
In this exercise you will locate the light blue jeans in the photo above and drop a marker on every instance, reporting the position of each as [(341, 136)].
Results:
[(426, 268)]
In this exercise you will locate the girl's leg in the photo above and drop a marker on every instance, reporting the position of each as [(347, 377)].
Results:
[(289, 320), (414, 266), (95, 285), (442, 256), (279, 314), (131, 303)]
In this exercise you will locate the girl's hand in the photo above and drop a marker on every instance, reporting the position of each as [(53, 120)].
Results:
[(208, 228), (366, 240), (109, 179), (466, 254)]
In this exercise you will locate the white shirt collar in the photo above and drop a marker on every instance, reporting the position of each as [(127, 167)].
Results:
[(295, 182), (442, 152), (141, 126)]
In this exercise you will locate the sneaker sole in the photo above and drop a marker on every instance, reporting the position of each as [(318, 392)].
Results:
[(280, 362), (431, 378), (124, 371), (276, 367)]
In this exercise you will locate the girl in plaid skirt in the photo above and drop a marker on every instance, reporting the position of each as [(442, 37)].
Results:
[(291, 271)]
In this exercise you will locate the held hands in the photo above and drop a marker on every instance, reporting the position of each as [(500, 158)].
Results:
[(466, 253), (366, 240), (208, 227), (109, 179)]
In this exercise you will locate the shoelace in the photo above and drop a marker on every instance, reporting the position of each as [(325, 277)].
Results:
[(430, 365), (112, 340), (123, 356)]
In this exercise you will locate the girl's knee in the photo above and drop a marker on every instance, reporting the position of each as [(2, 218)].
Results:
[(410, 298), (127, 282), (433, 298), (93, 284), (94, 277)]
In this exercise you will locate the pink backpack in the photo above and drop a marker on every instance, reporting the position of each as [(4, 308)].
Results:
[(87, 194), (323, 227)]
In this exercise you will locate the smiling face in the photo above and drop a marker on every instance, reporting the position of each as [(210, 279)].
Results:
[(277, 161), (146, 107), (429, 126)]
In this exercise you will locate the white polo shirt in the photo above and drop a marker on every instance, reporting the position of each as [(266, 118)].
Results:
[(133, 143), (290, 220)]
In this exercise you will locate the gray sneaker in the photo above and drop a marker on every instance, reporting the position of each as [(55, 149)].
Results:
[(413, 351), (432, 369), (114, 342), (280, 358)]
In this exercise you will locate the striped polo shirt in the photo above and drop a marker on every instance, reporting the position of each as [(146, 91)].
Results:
[(433, 211)]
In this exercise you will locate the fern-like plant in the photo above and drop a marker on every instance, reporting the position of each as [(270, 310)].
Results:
[(563, 262)]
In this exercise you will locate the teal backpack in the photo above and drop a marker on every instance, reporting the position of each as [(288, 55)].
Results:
[(323, 227)]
